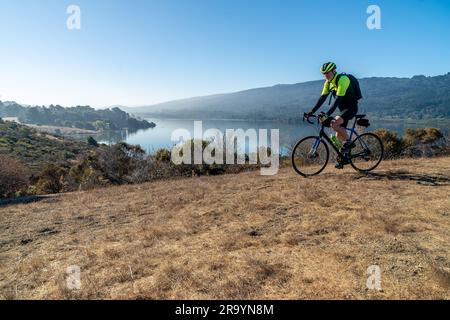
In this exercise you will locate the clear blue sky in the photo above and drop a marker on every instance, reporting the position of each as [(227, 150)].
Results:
[(143, 52)]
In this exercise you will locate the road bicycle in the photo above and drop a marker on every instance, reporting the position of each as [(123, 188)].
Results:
[(311, 154)]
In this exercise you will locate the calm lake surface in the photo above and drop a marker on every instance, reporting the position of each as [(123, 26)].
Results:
[(160, 136)]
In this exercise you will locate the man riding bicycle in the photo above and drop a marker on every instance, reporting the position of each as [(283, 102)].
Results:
[(346, 101)]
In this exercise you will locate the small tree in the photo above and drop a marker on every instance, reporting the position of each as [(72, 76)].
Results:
[(92, 142)]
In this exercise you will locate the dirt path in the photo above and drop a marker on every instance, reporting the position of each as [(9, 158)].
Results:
[(240, 236)]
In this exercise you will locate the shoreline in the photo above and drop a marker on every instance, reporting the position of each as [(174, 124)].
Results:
[(288, 120), (63, 130)]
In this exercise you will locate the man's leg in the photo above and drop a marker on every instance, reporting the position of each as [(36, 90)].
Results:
[(339, 125), (341, 132)]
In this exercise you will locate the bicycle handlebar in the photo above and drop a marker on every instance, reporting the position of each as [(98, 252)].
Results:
[(307, 118)]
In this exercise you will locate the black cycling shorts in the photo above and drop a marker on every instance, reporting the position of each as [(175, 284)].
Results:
[(348, 114)]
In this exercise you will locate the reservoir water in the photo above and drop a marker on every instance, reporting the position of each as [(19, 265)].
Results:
[(160, 136)]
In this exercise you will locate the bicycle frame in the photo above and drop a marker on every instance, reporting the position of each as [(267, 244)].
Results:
[(324, 136)]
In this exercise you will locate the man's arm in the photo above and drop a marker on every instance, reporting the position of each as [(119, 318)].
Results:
[(343, 84), (319, 103), (323, 96), (336, 104)]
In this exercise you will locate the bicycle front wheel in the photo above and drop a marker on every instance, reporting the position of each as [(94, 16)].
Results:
[(367, 153), (310, 156)]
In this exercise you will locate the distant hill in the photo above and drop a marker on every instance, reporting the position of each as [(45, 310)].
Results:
[(82, 117), (419, 97)]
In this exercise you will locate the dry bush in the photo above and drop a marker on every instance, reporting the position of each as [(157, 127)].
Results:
[(163, 155), (152, 169), (427, 142), (14, 176), (393, 144), (160, 166), (422, 142), (418, 136), (50, 180), (118, 162)]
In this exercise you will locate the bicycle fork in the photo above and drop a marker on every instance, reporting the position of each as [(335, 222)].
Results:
[(315, 146)]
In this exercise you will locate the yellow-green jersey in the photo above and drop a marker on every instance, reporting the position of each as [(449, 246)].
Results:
[(340, 87)]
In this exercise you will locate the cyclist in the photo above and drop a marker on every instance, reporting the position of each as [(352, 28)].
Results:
[(346, 101)]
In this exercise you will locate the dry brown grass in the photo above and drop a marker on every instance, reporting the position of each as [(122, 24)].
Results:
[(240, 236)]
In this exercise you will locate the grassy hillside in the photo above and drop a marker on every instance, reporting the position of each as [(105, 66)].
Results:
[(37, 149), (418, 97), (240, 236)]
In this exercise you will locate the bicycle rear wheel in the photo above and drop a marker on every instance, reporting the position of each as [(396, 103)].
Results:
[(310, 156), (367, 153)]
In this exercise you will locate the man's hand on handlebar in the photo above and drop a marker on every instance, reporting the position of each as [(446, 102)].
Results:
[(307, 115), (325, 119), (322, 115)]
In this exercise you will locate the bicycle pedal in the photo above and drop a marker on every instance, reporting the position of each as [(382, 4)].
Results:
[(339, 166), (343, 161)]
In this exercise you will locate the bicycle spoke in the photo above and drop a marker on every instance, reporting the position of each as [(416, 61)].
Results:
[(310, 156), (355, 156), (367, 153)]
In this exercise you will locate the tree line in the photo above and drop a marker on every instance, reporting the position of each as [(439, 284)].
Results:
[(82, 117)]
